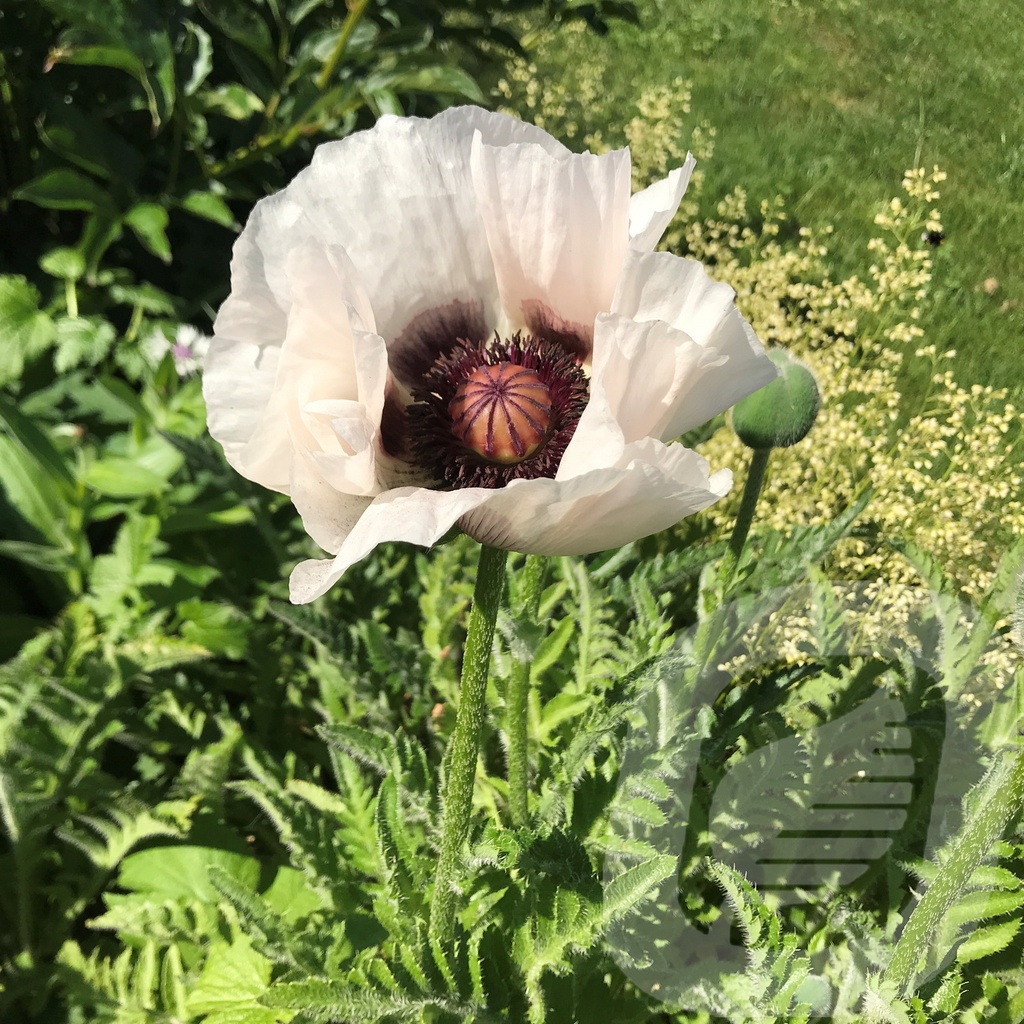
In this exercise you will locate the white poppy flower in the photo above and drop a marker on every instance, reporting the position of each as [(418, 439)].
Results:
[(459, 321)]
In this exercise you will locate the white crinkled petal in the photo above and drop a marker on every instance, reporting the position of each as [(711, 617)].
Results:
[(241, 366), (412, 514), (400, 197), (651, 488), (662, 286), (598, 440), (651, 210), (328, 515), (238, 385), (263, 398), (557, 227), (679, 292), (652, 375)]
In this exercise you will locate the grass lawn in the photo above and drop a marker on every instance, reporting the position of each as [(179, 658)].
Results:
[(826, 102)]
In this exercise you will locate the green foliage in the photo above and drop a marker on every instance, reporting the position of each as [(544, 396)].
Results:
[(317, 905)]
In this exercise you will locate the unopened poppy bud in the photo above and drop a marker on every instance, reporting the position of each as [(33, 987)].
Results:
[(782, 412)]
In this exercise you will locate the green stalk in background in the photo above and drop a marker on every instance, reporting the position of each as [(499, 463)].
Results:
[(348, 26)]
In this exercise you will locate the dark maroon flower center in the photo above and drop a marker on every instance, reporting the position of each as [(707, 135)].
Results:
[(485, 414)]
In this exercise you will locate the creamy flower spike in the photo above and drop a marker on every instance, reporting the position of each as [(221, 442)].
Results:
[(458, 321)]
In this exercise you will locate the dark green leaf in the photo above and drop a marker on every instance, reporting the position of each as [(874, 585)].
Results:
[(200, 52), (35, 496), (231, 100), (89, 144), (211, 207), (149, 222), (39, 556), (36, 444), (64, 189), (240, 23)]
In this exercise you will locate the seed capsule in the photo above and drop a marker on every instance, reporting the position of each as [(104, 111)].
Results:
[(502, 412)]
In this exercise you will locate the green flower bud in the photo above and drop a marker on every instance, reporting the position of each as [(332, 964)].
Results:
[(781, 413)]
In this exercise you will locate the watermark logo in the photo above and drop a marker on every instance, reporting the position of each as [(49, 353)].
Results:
[(800, 810)]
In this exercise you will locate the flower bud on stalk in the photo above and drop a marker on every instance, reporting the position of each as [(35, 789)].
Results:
[(776, 416), (781, 413)]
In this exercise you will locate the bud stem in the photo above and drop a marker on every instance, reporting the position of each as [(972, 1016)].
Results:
[(745, 516), (457, 800)]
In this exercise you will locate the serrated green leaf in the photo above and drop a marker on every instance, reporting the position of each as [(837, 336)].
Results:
[(978, 906), (947, 996), (629, 889), (82, 340), (233, 978), (159, 652), (217, 627), (25, 331), (147, 297), (562, 707), (988, 940)]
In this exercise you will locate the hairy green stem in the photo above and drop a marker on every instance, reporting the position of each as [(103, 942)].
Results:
[(708, 631), (457, 800), (348, 26), (972, 845), (531, 577)]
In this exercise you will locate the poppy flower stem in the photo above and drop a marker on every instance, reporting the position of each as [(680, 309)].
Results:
[(531, 578), (457, 799)]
